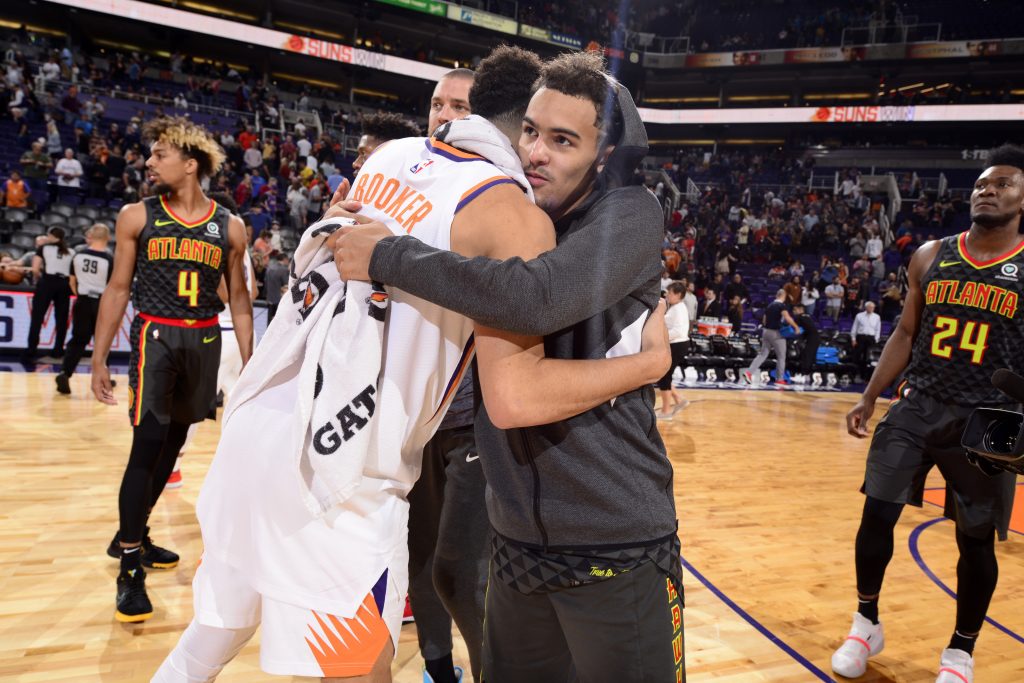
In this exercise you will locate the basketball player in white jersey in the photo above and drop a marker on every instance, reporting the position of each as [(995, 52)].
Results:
[(328, 591)]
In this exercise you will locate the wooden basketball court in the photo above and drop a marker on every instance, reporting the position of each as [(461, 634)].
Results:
[(766, 486)]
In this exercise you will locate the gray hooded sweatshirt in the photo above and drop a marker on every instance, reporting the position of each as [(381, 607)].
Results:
[(601, 479)]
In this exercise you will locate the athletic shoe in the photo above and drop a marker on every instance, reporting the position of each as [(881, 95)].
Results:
[(63, 385), (747, 375), (153, 556), (781, 383), (407, 617), (956, 666), (865, 640), (174, 481), (679, 406), (427, 678), (133, 604)]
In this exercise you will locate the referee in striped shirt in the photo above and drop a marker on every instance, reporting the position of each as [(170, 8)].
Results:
[(90, 272)]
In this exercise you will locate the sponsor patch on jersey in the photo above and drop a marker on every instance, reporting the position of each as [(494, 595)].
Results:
[(213, 229), (1009, 271)]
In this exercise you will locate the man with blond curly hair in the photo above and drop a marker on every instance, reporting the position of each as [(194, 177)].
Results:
[(175, 245)]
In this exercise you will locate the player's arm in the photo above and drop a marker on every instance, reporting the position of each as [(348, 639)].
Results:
[(520, 386), (130, 222), (896, 354), (73, 284), (609, 256), (238, 289), (37, 266)]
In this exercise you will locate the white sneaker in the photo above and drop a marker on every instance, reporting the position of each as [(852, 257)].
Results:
[(956, 666), (865, 640)]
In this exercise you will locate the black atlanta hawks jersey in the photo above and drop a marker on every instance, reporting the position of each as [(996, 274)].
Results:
[(179, 265), (971, 325)]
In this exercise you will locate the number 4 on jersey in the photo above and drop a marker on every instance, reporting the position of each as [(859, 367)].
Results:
[(188, 286), (973, 339)]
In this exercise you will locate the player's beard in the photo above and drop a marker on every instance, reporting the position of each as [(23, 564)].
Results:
[(991, 221), (160, 188)]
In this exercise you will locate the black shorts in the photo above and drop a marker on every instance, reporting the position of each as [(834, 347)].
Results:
[(920, 432), (173, 369)]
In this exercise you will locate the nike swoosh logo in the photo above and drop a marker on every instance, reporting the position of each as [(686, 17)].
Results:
[(207, 340), (471, 458), (943, 264), (161, 224)]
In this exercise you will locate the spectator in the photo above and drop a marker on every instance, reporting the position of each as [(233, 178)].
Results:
[(275, 236), (50, 70), (835, 293), (275, 282), (54, 147), (303, 146), (794, 291), (70, 105), (873, 248), (247, 138), (892, 298), (865, 333), (690, 301), (735, 313), (15, 192), (262, 245), (297, 204), (253, 157), (17, 107), (856, 294), (709, 307), (737, 288), (36, 165), (809, 296), (69, 170)]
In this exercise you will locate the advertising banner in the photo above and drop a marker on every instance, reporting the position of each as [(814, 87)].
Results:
[(16, 315), (256, 35), (825, 115), (959, 48), (567, 40), (483, 19), (527, 31), (437, 9)]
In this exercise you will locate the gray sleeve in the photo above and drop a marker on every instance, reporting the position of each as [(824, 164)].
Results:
[(613, 253)]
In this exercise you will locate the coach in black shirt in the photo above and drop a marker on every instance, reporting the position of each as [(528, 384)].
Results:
[(772, 340)]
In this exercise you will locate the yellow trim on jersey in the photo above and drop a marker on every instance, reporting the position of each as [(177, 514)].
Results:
[(177, 219), (142, 367), (961, 245)]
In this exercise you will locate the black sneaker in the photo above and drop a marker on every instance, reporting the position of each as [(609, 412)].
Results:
[(153, 556), (133, 604), (63, 385)]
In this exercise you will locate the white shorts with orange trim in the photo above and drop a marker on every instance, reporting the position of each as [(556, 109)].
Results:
[(297, 641)]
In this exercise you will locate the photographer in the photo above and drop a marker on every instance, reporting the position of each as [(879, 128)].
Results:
[(950, 339)]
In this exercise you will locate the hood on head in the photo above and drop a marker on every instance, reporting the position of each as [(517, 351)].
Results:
[(630, 147)]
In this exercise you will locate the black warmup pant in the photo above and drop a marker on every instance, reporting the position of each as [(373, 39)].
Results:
[(627, 629), (809, 356), (448, 546), (83, 325), (52, 289)]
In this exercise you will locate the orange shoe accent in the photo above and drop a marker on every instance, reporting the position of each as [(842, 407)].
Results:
[(353, 645)]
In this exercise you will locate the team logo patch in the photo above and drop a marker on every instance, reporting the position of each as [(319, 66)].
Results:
[(378, 302), (213, 229), (308, 291)]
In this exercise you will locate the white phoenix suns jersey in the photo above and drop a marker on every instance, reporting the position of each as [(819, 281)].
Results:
[(416, 186)]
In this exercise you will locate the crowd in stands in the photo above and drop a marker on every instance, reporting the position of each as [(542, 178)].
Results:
[(743, 239)]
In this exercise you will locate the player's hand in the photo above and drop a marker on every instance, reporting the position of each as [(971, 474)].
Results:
[(857, 419), (101, 387), (339, 194), (654, 342), (347, 208), (354, 248)]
